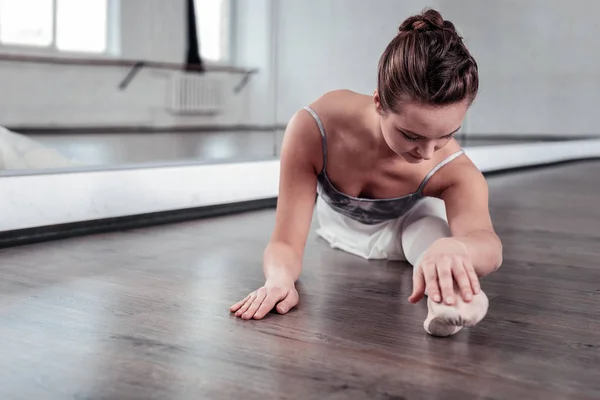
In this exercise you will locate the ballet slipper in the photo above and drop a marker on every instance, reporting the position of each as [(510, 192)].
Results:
[(445, 320)]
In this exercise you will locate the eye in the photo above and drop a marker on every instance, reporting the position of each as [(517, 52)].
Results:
[(409, 138)]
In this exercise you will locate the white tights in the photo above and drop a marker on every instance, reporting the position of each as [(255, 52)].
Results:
[(417, 230)]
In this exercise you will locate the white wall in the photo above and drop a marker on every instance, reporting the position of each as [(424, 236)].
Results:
[(539, 59), (61, 95), (254, 43), (540, 64), (333, 44)]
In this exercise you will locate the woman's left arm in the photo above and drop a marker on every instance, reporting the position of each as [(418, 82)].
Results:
[(473, 250), (467, 208)]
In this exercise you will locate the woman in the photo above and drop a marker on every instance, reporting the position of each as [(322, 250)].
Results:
[(392, 181)]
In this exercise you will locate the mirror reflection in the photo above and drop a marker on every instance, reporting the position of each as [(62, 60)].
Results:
[(104, 83)]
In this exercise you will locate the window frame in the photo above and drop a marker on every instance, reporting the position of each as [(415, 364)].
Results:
[(112, 39)]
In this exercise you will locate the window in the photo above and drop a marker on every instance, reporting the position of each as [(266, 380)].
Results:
[(64, 25), (213, 21)]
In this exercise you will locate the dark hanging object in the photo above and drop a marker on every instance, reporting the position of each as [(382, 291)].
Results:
[(194, 62)]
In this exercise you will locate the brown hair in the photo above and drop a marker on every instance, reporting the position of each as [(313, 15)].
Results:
[(427, 62)]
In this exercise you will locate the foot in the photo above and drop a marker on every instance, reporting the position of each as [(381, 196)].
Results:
[(444, 320)]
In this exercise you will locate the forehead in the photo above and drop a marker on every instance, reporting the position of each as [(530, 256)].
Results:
[(431, 121)]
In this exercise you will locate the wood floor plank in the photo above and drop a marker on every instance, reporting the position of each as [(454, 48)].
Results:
[(143, 314)]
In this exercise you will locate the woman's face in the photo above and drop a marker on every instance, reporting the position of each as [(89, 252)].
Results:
[(418, 130)]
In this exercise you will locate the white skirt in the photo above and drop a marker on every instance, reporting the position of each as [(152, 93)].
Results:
[(383, 240)]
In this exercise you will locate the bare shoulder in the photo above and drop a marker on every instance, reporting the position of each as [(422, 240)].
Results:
[(339, 105), (302, 141), (460, 172), (327, 107), (462, 169), (332, 97)]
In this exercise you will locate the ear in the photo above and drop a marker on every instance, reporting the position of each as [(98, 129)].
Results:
[(377, 102)]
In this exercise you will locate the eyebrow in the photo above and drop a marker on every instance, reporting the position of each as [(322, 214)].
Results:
[(422, 137)]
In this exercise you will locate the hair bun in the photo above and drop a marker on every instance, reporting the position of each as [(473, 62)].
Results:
[(420, 25), (429, 20)]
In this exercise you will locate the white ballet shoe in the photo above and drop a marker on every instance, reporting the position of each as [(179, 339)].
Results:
[(444, 320)]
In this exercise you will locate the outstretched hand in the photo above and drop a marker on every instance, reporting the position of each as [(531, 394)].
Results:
[(444, 266), (281, 293)]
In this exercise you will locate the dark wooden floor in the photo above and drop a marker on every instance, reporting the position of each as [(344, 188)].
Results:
[(144, 314)]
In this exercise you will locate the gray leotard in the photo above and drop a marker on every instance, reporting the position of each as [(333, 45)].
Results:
[(368, 211)]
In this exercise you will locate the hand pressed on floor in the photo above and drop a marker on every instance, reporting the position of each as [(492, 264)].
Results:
[(279, 293)]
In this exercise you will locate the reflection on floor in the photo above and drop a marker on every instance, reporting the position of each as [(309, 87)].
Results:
[(39, 151), (136, 148), (143, 314), (128, 148), (19, 152)]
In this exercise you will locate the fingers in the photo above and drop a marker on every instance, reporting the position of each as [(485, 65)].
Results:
[(246, 305), (418, 287), (258, 304), (462, 280), (472, 276), (239, 304), (444, 270), (290, 301), (445, 278), (258, 300), (431, 281), (267, 305)]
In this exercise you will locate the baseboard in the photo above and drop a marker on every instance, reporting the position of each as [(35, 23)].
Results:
[(546, 165), (509, 137), (124, 129), (64, 231)]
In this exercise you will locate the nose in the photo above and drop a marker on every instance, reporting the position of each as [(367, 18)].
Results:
[(427, 150)]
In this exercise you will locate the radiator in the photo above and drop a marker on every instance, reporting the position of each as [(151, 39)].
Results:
[(190, 93)]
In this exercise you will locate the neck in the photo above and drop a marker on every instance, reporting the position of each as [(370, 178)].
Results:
[(374, 126)]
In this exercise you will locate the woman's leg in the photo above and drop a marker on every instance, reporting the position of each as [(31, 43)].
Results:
[(425, 224)]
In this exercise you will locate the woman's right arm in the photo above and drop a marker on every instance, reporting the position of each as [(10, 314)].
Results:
[(300, 161)]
